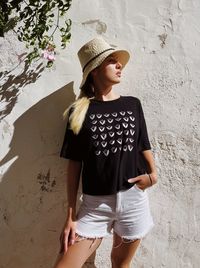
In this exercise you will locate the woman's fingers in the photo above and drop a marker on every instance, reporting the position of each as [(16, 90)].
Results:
[(67, 237), (133, 180), (62, 242), (72, 237), (66, 240), (142, 181)]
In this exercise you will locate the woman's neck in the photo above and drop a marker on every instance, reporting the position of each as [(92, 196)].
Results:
[(106, 95)]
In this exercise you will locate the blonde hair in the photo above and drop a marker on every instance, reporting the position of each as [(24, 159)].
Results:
[(80, 106)]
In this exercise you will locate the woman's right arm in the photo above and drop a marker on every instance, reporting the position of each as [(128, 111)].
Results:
[(73, 178)]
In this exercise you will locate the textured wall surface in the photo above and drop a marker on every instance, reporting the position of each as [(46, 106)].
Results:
[(164, 72)]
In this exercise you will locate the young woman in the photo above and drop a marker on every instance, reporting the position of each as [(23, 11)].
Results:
[(106, 142)]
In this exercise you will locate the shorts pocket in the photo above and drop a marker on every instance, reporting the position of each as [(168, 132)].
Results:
[(138, 189), (98, 203)]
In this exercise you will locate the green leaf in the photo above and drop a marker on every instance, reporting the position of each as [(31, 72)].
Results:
[(49, 64), (36, 17)]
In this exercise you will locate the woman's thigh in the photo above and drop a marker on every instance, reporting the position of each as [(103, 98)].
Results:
[(123, 251), (78, 253)]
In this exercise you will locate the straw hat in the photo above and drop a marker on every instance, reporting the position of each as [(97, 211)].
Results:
[(93, 53)]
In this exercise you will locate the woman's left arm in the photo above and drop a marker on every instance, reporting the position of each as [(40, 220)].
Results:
[(151, 168), (150, 178), (146, 180)]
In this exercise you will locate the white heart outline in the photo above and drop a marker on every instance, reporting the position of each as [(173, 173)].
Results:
[(97, 152), (114, 150), (92, 116), (103, 143), (111, 134), (103, 136), (93, 128), (101, 128), (106, 152), (99, 116)]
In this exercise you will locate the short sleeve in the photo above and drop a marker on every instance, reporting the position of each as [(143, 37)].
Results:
[(71, 147), (144, 143)]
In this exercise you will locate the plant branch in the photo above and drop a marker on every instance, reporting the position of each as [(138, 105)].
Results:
[(35, 20), (57, 25)]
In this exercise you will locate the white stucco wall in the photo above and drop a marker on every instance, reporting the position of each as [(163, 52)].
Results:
[(164, 72)]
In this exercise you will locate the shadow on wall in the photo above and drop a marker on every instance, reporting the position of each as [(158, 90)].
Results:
[(32, 191), (11, 84)]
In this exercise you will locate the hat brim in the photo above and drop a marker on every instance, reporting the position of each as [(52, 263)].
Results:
[(121, 55)]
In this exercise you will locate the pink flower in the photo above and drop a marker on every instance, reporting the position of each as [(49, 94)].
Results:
[(45, 54), (51, 57)]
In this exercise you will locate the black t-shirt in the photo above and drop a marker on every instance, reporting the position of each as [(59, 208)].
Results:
[(109, 144)]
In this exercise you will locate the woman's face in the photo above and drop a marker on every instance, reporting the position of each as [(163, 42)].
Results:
[(109, 72)]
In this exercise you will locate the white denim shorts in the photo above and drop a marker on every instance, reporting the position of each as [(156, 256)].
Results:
[(126, 213)]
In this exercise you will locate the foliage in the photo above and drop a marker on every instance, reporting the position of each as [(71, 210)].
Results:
[(35, 23)]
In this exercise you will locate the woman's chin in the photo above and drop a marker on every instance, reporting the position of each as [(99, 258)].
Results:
[(117, 80)]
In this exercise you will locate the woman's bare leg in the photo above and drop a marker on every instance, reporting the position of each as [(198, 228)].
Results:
[(78, 253), (123, 252), (90, 262)]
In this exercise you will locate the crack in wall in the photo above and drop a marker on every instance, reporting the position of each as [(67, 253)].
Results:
[(99, 25)]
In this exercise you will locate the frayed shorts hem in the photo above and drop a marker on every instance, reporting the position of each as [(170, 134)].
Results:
[(129, 238), (138, 236), (86, 236)]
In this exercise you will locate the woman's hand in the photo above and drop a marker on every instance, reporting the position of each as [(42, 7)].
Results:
[(144, 181), (67, 237)]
